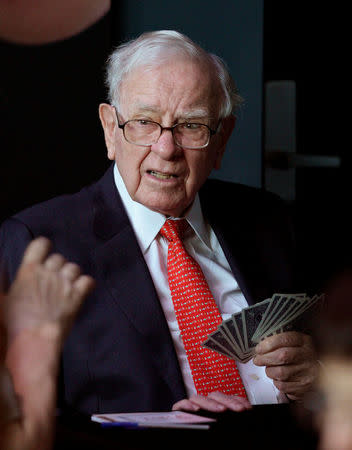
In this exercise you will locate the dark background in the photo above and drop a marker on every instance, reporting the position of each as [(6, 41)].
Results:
[(51, 139), (303, 43)]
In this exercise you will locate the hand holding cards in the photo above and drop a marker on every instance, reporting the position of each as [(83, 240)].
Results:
[(238, 336)]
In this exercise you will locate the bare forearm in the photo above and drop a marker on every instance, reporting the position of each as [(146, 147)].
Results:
[(36, 314), (33, 360)]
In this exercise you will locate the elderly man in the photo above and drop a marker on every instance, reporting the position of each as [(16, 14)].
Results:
[(172, 253)]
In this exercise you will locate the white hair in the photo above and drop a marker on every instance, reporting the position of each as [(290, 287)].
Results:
[(157, 47)]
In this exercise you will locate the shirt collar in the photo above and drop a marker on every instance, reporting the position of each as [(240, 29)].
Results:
[(195, 218), (147, 223)]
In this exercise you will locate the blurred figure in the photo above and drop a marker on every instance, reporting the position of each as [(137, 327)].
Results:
[(48, 21), (333, 337), (36, 315)]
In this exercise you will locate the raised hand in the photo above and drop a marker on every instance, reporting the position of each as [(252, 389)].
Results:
[(46, 290)]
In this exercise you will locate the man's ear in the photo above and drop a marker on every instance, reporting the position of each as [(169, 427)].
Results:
[(108, 121), (227, 126)]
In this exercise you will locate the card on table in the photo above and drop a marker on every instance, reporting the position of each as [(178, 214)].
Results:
[(171, 419)]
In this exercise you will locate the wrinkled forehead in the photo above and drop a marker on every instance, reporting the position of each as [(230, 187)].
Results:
[(190, 83)]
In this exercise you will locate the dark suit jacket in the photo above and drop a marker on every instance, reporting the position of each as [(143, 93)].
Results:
[(119, 356)]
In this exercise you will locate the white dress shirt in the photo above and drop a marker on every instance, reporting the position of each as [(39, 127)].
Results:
[(203, 246)]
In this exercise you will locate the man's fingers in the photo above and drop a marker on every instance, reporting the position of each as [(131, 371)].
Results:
[(279, 357), (71, 271), (84, 285), (284, 373), (185, 405), (293, 389), (54, 262), (287, 339), (214, 402), (36, 251), (207, 403), (232, 402), (296, 348)]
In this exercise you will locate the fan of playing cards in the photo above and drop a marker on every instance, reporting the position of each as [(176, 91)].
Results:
[(237, 336)]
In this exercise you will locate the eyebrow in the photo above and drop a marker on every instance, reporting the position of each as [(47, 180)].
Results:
[(198, 113), (146, 108)]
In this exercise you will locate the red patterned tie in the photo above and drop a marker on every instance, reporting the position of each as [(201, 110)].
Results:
[(197, 315)]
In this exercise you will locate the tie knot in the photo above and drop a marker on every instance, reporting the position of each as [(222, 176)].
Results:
[(174, 229)]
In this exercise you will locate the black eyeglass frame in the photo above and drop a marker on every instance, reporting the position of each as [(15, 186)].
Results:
[(211, 132)]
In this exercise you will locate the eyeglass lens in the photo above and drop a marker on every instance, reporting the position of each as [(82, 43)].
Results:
[(185, 134)]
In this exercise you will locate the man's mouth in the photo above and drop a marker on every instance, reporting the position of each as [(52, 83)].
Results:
[(161, 175)]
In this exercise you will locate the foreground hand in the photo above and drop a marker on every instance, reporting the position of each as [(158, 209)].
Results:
[(46, 290), (214, 402), (290, 361), (3, 334)]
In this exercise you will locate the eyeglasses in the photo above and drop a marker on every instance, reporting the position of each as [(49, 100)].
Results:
[(146, 132)]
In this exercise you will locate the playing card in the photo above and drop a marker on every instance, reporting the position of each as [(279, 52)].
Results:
[(273, 303), (301, 318), (291, 311), (298, 300), (245, 357), (228, 344), (234, 345), (251, 317), (233, 328), (221, 338), (212, 344), (283, 306), (237, 336)]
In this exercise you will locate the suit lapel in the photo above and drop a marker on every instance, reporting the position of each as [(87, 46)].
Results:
[(122, 268), (238, 237), (229, 242)]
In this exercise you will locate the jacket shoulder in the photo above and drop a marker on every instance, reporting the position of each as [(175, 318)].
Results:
[(224, 195)]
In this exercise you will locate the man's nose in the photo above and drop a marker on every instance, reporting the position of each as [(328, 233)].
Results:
[(166, 147)]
